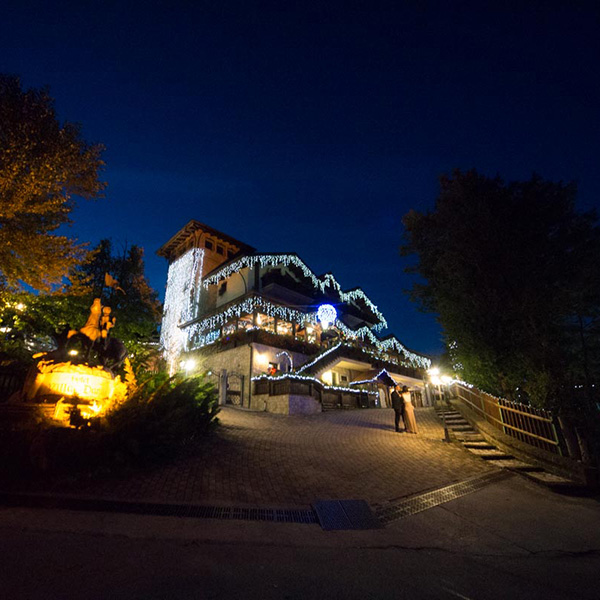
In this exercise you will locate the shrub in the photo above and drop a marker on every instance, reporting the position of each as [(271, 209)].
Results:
[(163, 415)]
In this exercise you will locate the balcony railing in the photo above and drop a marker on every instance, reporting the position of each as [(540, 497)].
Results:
[(329, 397)]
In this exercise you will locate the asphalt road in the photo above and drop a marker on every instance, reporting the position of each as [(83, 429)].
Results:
[(509, 540)]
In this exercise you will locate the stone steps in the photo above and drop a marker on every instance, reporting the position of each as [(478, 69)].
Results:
[(481, 444), (472, 441), (462, 428), (467, 436), (490, 453), (515, 464)]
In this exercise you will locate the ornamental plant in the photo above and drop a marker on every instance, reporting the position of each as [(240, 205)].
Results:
[(164, 415)]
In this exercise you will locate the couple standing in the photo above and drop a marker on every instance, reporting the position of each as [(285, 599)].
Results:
[(402, 405)]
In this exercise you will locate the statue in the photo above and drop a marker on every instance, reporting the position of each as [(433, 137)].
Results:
[(92, 327), (88, 377)]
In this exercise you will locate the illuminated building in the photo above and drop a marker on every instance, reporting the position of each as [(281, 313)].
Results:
[(290, 340)]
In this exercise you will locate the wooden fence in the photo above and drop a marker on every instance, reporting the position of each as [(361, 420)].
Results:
[(525, 423), (329, 398)]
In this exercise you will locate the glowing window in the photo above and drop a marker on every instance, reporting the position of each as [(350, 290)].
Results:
[(284, 328), (245, 322), (265, 322)]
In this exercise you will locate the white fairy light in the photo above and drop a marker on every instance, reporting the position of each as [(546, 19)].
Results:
[(318, 358), (289, 357), (326, 315), (198, 337), (180, 300), (296, 376), (372, 380), (285, 260)]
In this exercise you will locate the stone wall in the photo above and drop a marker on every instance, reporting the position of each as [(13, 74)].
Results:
[(286, 404), (234, 360), (264, 354)]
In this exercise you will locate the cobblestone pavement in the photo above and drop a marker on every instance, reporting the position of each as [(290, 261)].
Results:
[(271, 460)]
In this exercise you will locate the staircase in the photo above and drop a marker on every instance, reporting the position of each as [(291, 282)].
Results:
[(460, 430), (323, 361)]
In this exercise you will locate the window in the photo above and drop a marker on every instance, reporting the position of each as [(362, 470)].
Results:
[(245, 322), (209, 245), (284, 328), (220, 249), (343, 379), (222, 288), (265, 322), (230, 253)]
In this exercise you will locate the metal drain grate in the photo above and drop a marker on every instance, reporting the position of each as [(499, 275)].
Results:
[(345, 514), (417, 504), (279, 515)]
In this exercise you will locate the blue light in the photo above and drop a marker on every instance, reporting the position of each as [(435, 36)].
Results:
[(326, 315)]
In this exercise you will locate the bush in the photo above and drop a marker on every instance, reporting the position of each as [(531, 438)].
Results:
[(162, 416)]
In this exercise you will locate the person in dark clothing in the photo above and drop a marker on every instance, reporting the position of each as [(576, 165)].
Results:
[(398, 406)]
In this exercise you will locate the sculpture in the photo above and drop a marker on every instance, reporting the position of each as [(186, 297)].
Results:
[(83, 367)]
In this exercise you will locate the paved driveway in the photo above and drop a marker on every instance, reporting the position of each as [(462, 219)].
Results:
[(270, 460)]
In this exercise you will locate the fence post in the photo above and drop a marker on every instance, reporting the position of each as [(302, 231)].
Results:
[(223, 387)]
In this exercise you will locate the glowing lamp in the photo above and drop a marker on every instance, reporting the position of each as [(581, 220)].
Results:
[(327, 315), (73, 352), (261, 359)]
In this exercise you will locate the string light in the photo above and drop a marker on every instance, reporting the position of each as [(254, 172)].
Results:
[(285, 260), (372, 380), (247, 306), (198, 337), (181, 299), (326, 315), (184, 285), (289, 357), (318, 358), (297, 377)]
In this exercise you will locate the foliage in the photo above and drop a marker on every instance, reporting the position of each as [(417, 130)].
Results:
[(163, 417), (137, 307), (43, 165), (512, 271), (164, 414), (29, 321)]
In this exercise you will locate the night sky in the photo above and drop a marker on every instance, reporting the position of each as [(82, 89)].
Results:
[(312, 127)]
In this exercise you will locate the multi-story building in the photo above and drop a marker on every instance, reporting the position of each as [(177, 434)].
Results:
[(277, 336)]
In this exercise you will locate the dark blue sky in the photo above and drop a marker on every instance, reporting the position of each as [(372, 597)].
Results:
[(312, 127)]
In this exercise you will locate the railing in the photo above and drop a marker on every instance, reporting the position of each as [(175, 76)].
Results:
[(345, 350), (525, 423), (329, 398)]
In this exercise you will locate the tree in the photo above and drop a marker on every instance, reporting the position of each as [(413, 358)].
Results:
[(512, 270), (28, 321), (44, 165)]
